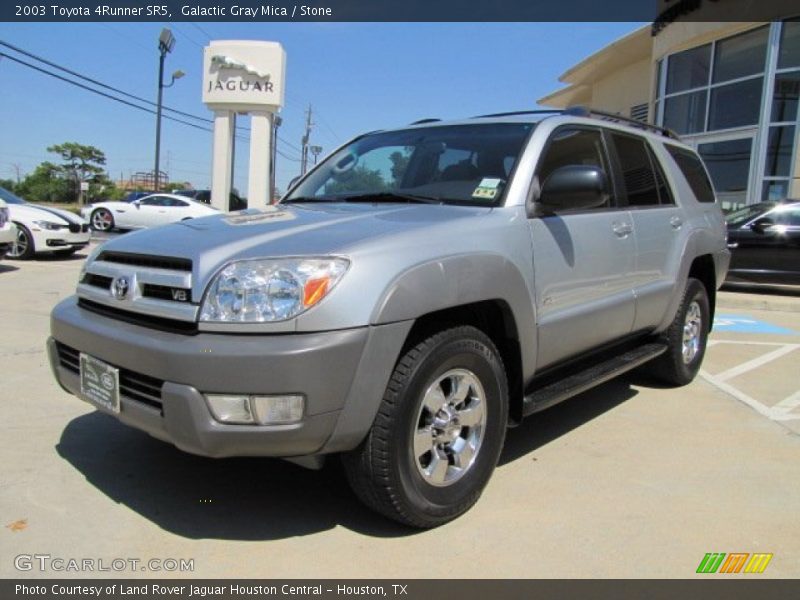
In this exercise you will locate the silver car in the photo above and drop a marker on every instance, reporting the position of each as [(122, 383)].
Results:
[(414, 295)]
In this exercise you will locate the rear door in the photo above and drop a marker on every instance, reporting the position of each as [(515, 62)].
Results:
[(657, 222), (582, 259)]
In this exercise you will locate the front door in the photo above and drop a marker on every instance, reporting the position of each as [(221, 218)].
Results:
[(582, 260)]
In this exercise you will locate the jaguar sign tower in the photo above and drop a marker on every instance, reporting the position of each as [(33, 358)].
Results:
[(243, 77)]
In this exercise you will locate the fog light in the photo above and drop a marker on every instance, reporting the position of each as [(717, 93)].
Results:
[(277, 410), (256, 410), (230, 409)]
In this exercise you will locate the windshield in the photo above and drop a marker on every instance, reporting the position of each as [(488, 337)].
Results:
[(9, 197), (743, 215), (453, 164)]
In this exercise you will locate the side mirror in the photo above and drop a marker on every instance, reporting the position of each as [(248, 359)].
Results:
[(137, 203), (761, 225), (293, 182), (573, 187)]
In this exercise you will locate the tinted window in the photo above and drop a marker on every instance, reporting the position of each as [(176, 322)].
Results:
[(780, 142), (692, 169), (688, 69), (153, 201), (735, 105), (741, 55), (789, 55), (569, 146), (686, 113), (785, 96), (637, 171), (664, 191)]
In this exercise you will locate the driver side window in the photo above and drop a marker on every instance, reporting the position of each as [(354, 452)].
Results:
[(570, 146)]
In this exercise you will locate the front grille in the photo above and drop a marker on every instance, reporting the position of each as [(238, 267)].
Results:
[(132, 385), (84, 228), (159, 323), (75, 227), (145, 260), (100, 281), (165, 292)]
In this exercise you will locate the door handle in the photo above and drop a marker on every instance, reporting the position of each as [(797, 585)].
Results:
[(676, 222), (621, 229)]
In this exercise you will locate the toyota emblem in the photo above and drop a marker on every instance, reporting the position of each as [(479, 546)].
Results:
[(119, 288)]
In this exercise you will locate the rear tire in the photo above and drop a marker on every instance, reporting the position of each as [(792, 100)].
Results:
[(686, 338), (23, 247), (438, 433), (102, 220)]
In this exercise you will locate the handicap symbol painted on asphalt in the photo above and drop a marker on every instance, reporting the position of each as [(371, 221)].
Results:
[(746, 324)]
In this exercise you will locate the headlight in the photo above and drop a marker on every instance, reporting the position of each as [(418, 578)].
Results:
[(49, 225), (259, 291)]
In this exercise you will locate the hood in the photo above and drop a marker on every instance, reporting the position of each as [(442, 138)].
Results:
[(285, 230), (38, 212)]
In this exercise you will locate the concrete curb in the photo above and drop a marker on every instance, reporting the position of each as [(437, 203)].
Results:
[(783, 301)]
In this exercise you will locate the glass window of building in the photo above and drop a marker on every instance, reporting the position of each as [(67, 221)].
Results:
[(789, 54), (729, 165), (784, 97), (716, 86)]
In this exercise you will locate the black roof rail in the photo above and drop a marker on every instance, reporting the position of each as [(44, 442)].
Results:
[(582, 111), (513, 113), (421, 121)]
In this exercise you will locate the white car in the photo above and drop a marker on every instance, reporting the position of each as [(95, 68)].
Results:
[(41, 229), (150, 211), (8, 232)]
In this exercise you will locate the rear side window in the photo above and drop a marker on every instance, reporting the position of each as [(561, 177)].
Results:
[(638, 175), (692, 168)]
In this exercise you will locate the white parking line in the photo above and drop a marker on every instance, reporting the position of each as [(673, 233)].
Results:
[(787, 404), (756, 362), (778, 412)]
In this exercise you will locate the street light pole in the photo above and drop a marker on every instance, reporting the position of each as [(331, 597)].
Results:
[(166, 42)]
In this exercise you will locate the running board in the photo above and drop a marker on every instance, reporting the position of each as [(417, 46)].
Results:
[(560, 390)]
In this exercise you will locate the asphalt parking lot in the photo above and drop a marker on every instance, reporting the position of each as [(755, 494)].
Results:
[(627, 480)]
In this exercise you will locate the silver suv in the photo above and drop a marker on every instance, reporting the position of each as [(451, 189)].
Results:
[(413, 296)]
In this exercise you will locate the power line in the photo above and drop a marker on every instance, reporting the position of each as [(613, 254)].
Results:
[(98, 83), (98, 92)]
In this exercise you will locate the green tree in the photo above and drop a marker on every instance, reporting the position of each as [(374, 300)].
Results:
[(8, 184), (45, 184), (82, 164)]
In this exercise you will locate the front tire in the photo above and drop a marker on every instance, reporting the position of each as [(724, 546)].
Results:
[(438, 433), (102, 220), (686, 338), (23, 247)]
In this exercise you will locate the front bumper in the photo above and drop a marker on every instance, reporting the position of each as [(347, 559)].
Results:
[(321, 366), (48, 240)]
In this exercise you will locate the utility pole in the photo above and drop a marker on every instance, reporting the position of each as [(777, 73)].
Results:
[(306, 137), (276, 123), (16, 167)]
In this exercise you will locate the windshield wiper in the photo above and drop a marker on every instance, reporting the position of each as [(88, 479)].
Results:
[(391, 197)]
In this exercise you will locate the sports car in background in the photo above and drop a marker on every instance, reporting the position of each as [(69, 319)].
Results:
[(150, 211)]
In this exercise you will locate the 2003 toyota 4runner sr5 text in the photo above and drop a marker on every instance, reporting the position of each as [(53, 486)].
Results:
[(410, 298)]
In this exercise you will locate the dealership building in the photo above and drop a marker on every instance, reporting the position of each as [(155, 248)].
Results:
[(730, 90)]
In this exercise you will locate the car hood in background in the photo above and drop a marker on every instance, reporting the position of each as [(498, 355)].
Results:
[(38, 212)]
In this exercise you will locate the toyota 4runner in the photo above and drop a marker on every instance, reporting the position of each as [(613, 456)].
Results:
[(410, 298)]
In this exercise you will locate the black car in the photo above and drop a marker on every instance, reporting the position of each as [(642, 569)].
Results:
[(234, 201), (764, 240)]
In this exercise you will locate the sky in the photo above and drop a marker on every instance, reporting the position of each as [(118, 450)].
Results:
[(357, 77)]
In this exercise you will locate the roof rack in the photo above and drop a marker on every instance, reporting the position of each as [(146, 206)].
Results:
[(582, 111), (514, 113), (421, 121)]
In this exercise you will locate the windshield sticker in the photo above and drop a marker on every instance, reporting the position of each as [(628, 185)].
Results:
[(488, 188), (256, 216)]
